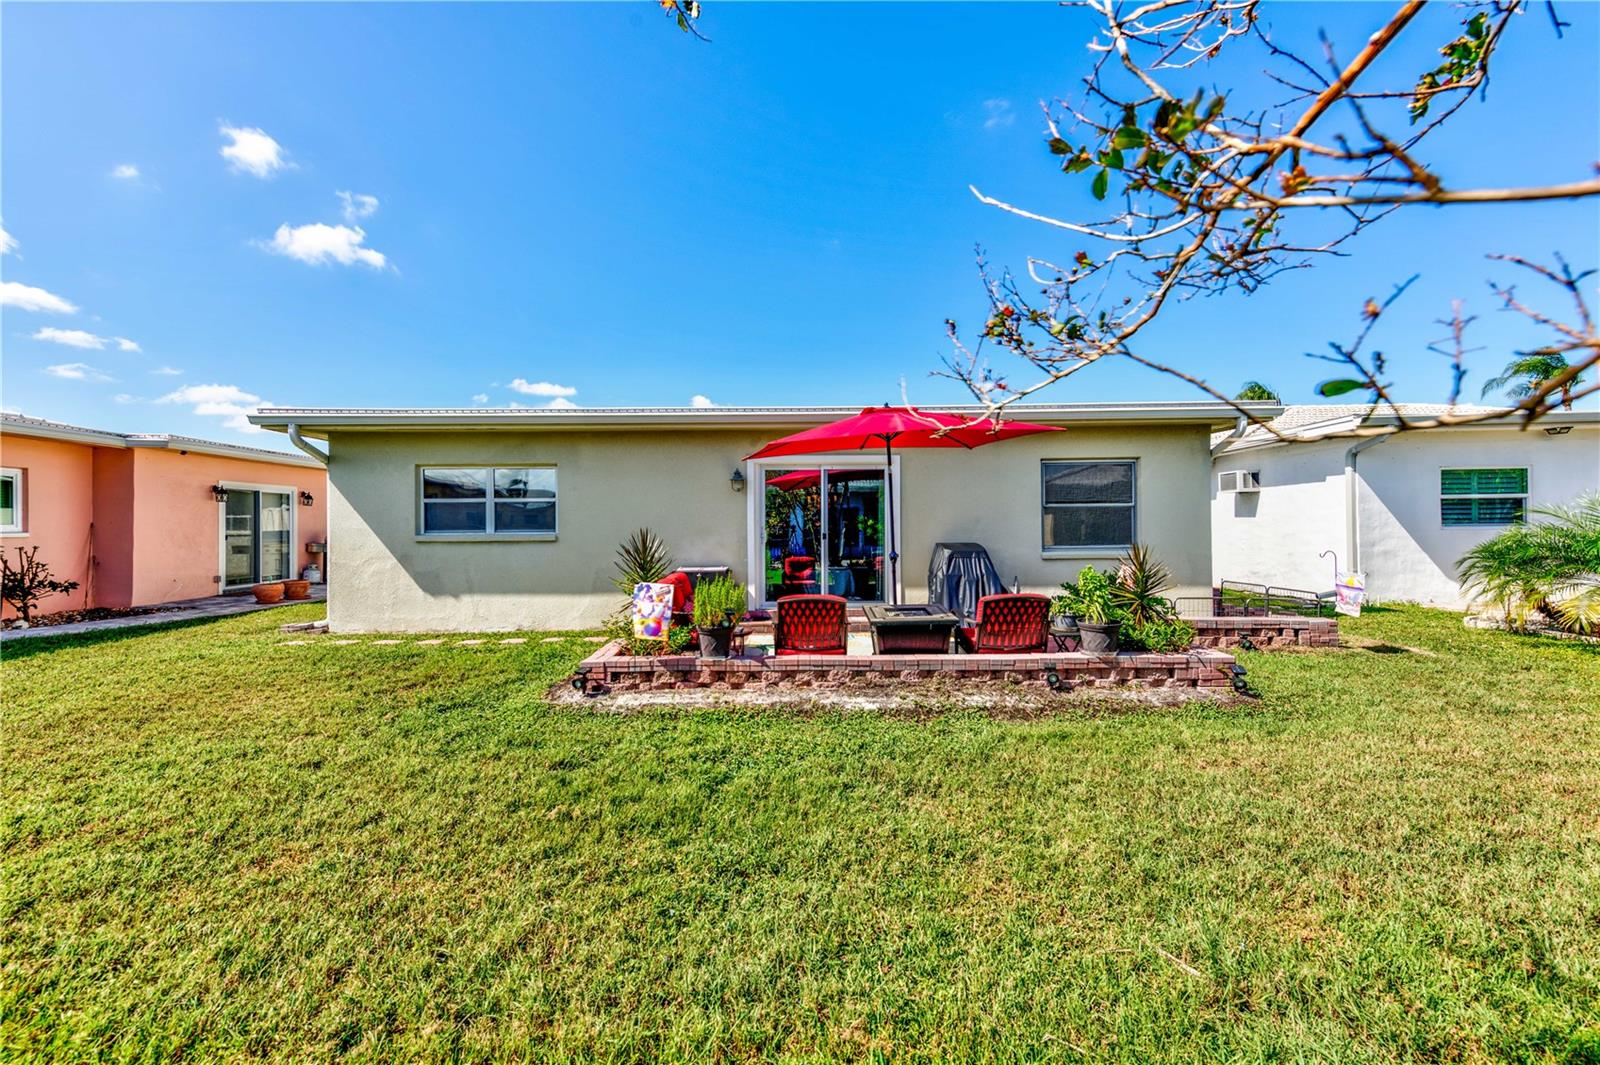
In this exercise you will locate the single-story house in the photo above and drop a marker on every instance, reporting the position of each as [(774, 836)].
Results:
[(1402, 507), (144, 519), (500, 519)]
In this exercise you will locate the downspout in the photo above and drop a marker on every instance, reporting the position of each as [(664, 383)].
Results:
[(305, 445), (1237, 431), (1352, 497)]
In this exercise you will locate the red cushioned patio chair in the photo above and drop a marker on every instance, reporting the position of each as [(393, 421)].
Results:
[(810, 625), (1011, 624), (682, 597)]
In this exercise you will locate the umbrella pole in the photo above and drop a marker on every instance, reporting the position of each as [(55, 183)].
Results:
[(894, 556)]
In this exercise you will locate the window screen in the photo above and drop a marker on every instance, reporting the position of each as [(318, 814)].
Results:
[(512, 500), (1088, 504)]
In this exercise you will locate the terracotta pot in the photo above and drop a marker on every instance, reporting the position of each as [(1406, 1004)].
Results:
[(297, 589), (269, 593)]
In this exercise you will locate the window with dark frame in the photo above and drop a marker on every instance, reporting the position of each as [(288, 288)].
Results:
[(1491, 496), (488, 500), (1087, 504)]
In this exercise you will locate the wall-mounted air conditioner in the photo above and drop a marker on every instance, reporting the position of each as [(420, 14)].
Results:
[(1239, 481)]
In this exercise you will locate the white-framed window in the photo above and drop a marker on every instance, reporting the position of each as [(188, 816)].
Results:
[(1087, 504), (11, 518), (487, 500), (1484, 496)]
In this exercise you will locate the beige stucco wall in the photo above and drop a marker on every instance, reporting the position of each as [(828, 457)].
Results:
[(384, 577)]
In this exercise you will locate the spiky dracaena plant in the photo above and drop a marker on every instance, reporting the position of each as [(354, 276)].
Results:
[(642, 558), (1139, 591), (1552, 565)]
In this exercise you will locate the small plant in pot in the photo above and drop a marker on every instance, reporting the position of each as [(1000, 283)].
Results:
[(1089, 600), (718, 605)]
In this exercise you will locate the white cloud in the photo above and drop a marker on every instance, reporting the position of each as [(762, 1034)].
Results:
[(562, 403), (357, 206), (167, 371), (318, 243), (27, 298), (72, 338), (252, 151), (701, 401), (123, 397), (229, 402), (8, 243), (540, 388), (78, 371), (79, 338), (997, 113), (125, 172), (481, 397)]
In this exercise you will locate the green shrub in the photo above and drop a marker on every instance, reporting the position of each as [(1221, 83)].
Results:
[(1088, 600), (1162, 635), (1552, 566), (1139, 585), (718, 603)]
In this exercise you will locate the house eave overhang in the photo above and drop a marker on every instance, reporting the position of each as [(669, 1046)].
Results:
[(1335, 429), (320, 421), (36, 428)]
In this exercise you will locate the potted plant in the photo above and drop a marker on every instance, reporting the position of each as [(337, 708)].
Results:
[(297, 589), (718, 605), (1089, 600)]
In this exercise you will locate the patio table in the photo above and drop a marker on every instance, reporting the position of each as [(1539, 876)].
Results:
[(917, 629)]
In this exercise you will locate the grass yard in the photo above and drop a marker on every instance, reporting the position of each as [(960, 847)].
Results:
[(217, 846)]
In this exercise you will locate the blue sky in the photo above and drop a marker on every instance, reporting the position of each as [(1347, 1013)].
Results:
[(579, 195)]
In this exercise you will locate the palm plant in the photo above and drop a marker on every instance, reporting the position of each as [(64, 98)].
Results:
[(1255, 390), (1525, 373), (643, 558), (1551, 566), (1138, 593)]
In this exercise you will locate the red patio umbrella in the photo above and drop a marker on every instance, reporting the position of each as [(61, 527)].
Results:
[(905, 426)]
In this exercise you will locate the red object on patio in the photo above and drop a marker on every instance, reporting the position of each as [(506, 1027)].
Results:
[(1015, 623), (810, 625), (682, 594), (888, 426)]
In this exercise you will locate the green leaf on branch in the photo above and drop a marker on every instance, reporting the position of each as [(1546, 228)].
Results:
[(1338, 386), (1102, 182), (1059, 147), (1128, 137)]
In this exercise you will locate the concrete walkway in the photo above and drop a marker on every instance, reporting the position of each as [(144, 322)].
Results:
[(212, 606)]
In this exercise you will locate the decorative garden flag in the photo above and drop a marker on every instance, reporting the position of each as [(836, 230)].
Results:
[(1349, 589), (652, 611)]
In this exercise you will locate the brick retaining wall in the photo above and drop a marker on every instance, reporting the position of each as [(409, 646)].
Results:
[(1281, 630), (1201, 669)]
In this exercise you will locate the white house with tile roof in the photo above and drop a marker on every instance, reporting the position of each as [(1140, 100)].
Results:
[(1401, 507)]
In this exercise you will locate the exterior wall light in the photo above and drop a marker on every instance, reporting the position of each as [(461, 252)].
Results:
[(736, 482), (305, 499), (1558, 430), (219, 493)]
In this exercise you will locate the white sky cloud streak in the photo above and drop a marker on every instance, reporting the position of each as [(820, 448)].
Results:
[(318, 244), (357, 206), (541, 388), (27, 298), (251, 151), (78, 371), (229, 402)]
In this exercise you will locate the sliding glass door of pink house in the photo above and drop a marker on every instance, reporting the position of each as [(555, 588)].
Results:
[(256, 533)]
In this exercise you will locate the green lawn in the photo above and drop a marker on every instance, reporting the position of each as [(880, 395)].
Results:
[(218, 846)]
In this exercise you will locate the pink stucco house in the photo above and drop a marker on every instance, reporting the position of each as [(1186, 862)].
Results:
[(143, 519)]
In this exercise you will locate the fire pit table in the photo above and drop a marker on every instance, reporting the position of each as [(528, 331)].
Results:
[(916, 629)]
